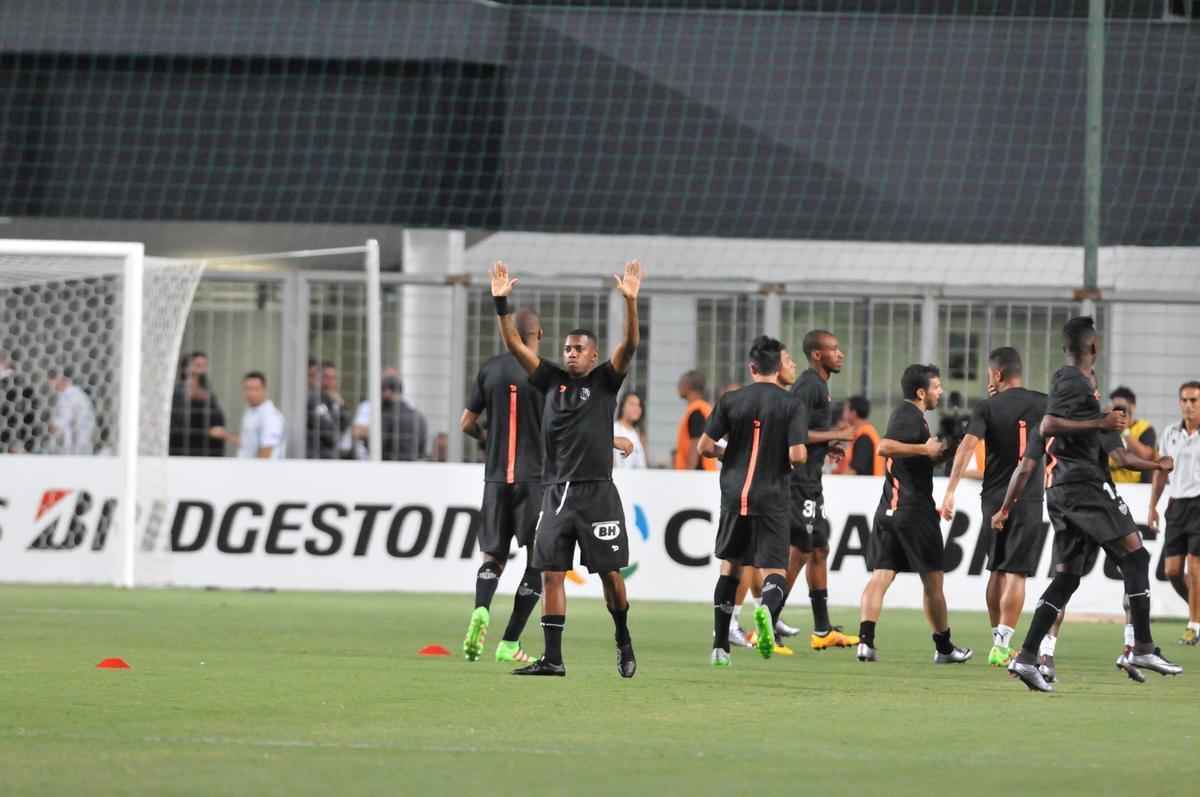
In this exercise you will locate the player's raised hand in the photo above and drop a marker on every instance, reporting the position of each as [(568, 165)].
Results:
[(502, 282), (631, 281)]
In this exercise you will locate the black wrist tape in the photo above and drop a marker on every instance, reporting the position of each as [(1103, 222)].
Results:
[(501, 304)]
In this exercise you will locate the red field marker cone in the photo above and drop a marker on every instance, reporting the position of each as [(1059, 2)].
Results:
[(113, 664), (433, 650)]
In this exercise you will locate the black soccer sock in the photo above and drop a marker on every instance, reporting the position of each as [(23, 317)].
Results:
[(552, 629), (1053, 601), (774, 592), (1135, 569), (621, 625), (529, 592), (941, 640), (866, 633), (723, 597), (486, 581), (1179, 582), (820, 609)]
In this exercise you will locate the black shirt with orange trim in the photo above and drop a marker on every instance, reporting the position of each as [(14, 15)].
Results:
[(514, 420), (1006, 423), (760, 422), (908, 481), (1075, 457)]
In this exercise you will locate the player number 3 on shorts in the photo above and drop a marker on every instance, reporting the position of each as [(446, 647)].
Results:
[(609, 530)]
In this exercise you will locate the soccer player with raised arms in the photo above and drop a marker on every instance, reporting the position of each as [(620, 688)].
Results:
[(580, 503)]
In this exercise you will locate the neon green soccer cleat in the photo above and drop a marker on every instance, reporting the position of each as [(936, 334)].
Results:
[(511, 652), (1000, 656), (765, 638), (476, 633)]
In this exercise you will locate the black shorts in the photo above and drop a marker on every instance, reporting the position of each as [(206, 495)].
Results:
[(1183, 527), (1018, 548), (1087, 517), (810, 524), (587, 513), (907, 540), (757, 540), (509, 512)]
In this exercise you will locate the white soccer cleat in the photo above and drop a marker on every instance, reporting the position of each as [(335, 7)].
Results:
[(956, 656), (738, 637), (867, 653), (782, 629)]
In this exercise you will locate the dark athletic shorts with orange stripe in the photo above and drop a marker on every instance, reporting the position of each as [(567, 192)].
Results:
[(756, 540), (1018, 548), (907, 539), (510, 512)]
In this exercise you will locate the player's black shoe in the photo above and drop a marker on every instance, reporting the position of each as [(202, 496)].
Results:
[(626, 663), (542, 667)]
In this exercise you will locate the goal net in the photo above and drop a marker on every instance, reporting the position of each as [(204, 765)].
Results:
[(89, 342)]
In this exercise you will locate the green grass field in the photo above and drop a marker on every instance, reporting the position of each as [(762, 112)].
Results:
[(299, 693)]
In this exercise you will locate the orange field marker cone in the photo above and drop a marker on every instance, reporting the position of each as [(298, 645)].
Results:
[(113, 664), (433, 650)]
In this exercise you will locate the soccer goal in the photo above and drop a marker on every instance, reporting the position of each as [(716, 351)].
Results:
[(90, 333)]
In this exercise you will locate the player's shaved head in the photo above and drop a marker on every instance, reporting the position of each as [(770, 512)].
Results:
[(529, 326), (814, 340)]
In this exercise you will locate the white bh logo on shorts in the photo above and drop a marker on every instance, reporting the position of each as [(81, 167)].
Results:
[(585, 393), (608, 530)]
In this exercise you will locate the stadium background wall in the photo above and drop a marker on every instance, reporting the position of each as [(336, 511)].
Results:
[(409, 527), (950, 128)]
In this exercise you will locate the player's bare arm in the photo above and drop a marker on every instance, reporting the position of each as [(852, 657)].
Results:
[(798, 454), (624, 445), (840, 435), (1159, 483), (1016, 488), (469, 423), (1131, 461), (932, 448), (966, 453), (1113, 420), (502, 287), (628, 283), (709, 448)]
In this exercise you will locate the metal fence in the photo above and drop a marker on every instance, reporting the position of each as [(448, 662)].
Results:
[(276, 322)]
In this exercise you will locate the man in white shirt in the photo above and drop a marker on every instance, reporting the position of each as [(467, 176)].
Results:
[(263, 435), (73, 424), (1181, 442)]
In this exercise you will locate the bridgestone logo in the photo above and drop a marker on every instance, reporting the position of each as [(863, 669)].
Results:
[(608, 530)]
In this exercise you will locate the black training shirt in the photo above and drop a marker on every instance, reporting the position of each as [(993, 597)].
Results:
[(514, 420), (760, 422), (908, 481), (813, 393), (577, 422), (1074, 457), (1005, 422)]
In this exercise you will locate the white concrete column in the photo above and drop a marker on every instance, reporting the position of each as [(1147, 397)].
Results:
[(429, 365), (672, 351), (929, 329)]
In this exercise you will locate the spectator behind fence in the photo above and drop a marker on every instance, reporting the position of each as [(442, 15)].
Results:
[(197, 420), (630, 424), (691, 425), (322, 429), (405, 431), (863, 457), (263, 434), (73, 422), (20, 426), (1140, 438)]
